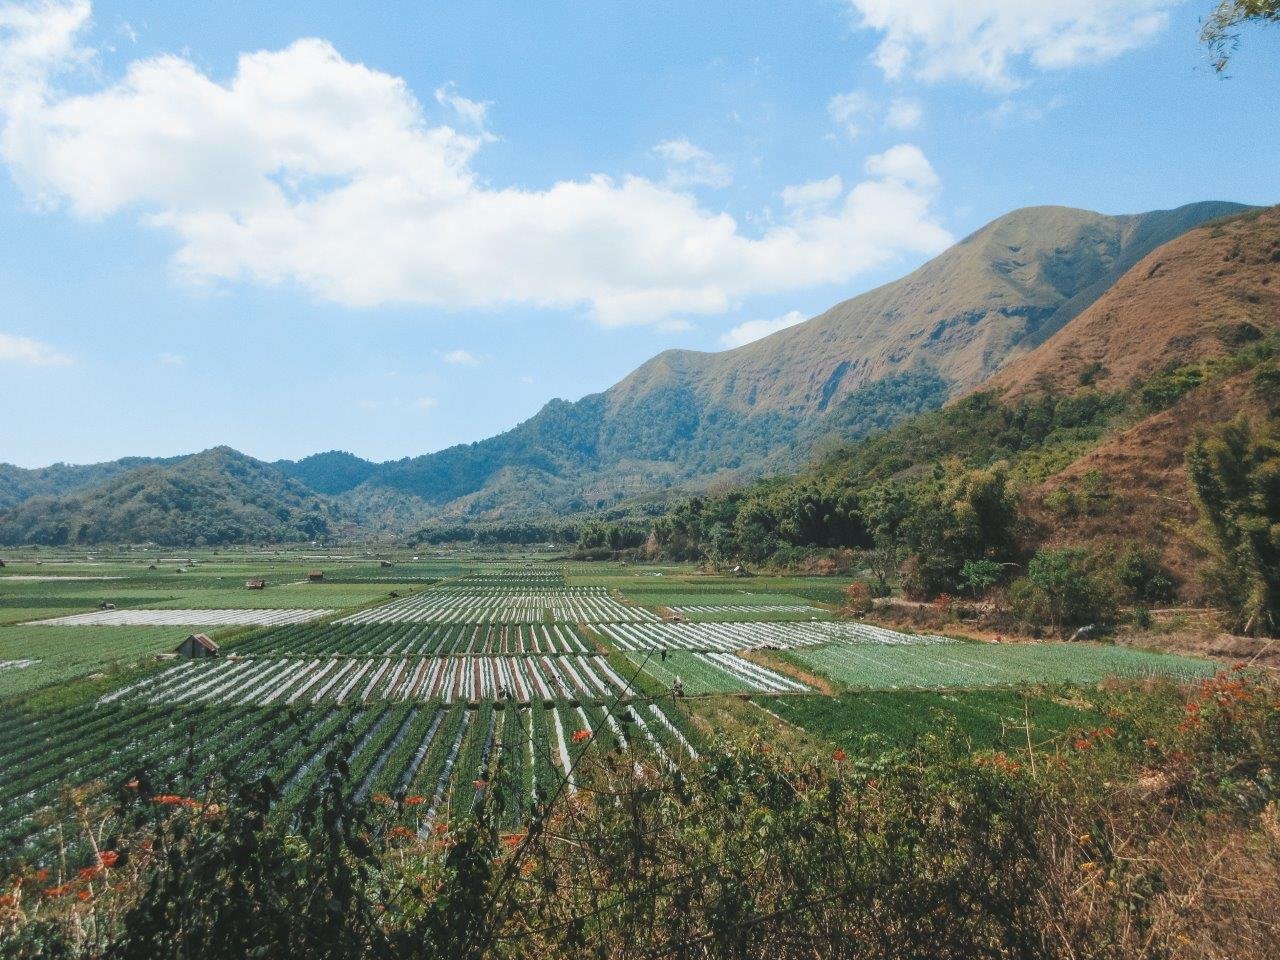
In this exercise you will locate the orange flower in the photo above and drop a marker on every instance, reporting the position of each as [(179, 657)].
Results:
[(381, 798), (1082, 743), (513, 840), (839, 756), (480, 784), (404, 832), (88, 873), (171, 800), (441, 827), (108, 859), (581, 736), (42, 875), (58, 891), (413, 801), (84, 896), (8, 901)]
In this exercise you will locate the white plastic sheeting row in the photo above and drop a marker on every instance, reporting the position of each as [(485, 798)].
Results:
[(744, 636)]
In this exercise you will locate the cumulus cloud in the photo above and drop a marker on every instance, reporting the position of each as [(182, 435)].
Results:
[(461, 358), (904, 114), (805, 198), (302, 168), (688, 165), (849, 111), (752, 330), (986, 41), (18, 349)]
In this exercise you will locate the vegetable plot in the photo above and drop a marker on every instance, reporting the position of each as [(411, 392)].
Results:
[(728, 637), (489, 605), (417, 639), (263, 681), (182, 618)]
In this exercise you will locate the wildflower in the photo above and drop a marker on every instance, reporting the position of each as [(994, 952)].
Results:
[(8, 900), (838, 755), (480, 784), (413, 801), (581, 736), (441, 827), (108, 859), (381, 798), (404, 832), (88, 873), (513, 840), (42, 875), (1082, 743), (1088, 865), (84, 896)]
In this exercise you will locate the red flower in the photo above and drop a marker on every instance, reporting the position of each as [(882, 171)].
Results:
[(581, 736), (480, 784), (413, 801), (84, 896), (108, 859), (839, 756), (1082, 743)]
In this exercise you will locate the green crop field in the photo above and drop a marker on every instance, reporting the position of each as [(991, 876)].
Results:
[(869, 666), (988, 718), (67, 652)]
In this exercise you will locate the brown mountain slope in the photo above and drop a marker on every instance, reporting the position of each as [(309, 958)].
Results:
[(1188, 299), (992, 296)]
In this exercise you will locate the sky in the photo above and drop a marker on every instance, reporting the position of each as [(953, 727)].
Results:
[(392, 227)]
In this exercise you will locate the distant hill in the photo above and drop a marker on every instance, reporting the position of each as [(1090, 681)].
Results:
[(18, 484), (218, 496)]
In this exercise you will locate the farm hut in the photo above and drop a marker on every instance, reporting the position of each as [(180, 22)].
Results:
[(315, 576), (385, 564), (106, 605), (1, 564), (255, 584), (740, 571), (197, 645)]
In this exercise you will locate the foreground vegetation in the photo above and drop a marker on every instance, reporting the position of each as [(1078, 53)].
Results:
[(1150, 830)]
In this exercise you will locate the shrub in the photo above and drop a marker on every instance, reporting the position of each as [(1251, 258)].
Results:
[(1063, 589)]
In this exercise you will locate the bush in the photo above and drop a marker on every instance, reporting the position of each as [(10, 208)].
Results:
[(1063, 589)]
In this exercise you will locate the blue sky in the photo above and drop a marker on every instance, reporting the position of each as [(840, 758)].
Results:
[(393, 227)]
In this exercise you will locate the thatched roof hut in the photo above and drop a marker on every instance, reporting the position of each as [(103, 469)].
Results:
[(196, 646), (315, 576), (255, 583)]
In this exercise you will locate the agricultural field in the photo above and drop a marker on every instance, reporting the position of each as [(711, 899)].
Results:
[(438, 677), (922, 667), (987, 718)]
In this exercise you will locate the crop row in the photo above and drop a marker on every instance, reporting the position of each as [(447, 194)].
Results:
[(728, 637), (698, 673), (313, 680), (745, 608), (16, 664), (417, 638), (444, 757), (566, 605), (182, 618)]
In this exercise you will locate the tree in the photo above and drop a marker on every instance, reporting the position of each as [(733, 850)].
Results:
[(1235, 475), (979, 576), (1221, 31), (1063, 588)]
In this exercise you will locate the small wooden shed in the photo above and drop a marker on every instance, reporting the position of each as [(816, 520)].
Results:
[(315, 576), (196, 646), (255, 584), (385, 563)]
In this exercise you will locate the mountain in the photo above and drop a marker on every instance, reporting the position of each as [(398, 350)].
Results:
[(18, 484), (218, 496), (683, 420), (688, 418)]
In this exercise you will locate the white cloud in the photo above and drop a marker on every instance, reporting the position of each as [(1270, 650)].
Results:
[(904, 114), (461, 358), (305, 169), (849, 110), (526, 379), (985, 41), (688, 165), (814, 195), (752, 330), (905, 164), (172, 359), (426, 403), (474, 112), (18, 349)]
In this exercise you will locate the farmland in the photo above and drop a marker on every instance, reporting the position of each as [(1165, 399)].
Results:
[(430, 675)]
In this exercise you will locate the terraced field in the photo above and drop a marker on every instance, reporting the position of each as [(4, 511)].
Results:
[(182, 618)]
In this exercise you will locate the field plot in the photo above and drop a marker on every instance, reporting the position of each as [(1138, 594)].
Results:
[(181, 618), (338, 680), (63, 653), (504, 605), (988, 718), (872, 666), (432, 751), (16, 664), (744, 636), (700, 673), (417, 638)]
